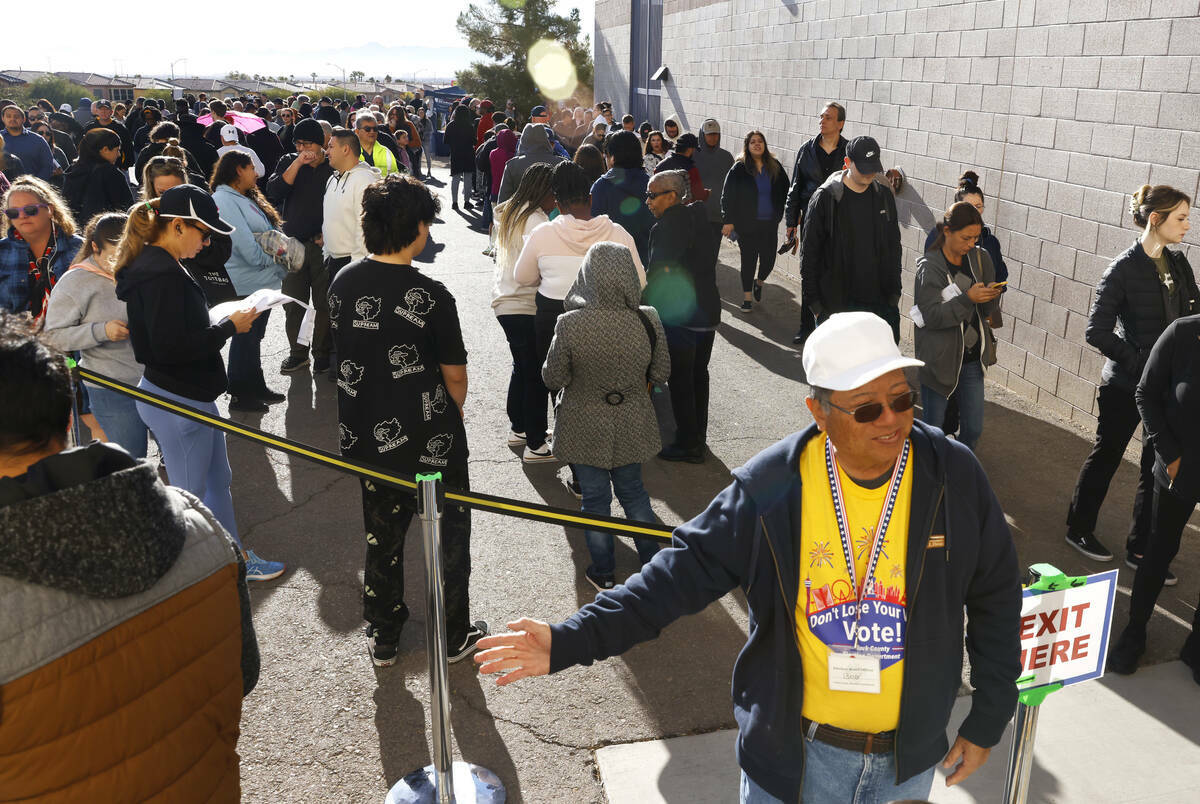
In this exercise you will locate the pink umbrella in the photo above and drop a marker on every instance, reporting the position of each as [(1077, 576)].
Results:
[(246, 122)]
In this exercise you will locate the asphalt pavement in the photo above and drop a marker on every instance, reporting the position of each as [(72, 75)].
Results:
[(325, 725)]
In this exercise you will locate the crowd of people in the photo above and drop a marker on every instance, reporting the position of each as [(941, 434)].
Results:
[(606, 238)]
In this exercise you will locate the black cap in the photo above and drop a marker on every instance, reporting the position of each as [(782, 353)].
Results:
[(685, 141), (864, 153), (103, 104), (326, 99), (309, 130), (192, 203)]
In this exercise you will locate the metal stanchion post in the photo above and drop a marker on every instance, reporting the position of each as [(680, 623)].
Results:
[(445, 781), (76, 404), (1020, 756)]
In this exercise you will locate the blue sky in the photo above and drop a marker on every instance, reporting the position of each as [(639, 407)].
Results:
[(297, 41)]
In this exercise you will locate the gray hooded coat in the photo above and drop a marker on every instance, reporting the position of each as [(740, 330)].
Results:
[(714, 165), (599, 357), (534, 147), (943, 313)]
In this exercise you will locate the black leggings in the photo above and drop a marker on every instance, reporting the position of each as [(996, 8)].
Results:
[(757, 244), (1171, 514)]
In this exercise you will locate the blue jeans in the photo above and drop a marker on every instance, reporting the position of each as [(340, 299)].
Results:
[(118, 416), (598, 486), (245, 359), (846, 777), (194, 453), (970, 404)]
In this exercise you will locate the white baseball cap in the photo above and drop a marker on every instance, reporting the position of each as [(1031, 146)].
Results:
[(851, 349), (229, 132)]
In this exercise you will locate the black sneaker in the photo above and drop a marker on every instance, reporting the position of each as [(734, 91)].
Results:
[(1087, 544), (320, 364), (747, 306), (247, 404), (1124, 654), (469, 207), (293, 363), (758, 291), (383, 650), (1134, 562), (475, 633), (269, 396), (602, 582)]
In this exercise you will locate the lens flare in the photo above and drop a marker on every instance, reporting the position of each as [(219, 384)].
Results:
[(552, 70)]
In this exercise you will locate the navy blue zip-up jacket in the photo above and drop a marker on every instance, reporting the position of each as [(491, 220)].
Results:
[(748, 537)]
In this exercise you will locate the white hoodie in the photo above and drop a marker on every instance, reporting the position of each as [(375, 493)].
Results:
[(341, 228), (554, 252)]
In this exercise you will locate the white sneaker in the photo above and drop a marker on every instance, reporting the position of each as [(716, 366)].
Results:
[(543, 455), (516, 439)]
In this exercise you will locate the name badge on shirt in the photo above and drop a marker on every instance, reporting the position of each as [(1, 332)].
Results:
[(950, 292), (852, 673)]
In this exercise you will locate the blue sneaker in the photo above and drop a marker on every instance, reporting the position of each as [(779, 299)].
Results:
[(259, 569)]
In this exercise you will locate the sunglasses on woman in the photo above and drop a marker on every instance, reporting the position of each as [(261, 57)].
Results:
[(30, 210), (652, 196), (865, 414)]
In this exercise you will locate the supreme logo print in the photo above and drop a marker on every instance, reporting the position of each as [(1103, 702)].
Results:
[(417, 304), (367, 309), (388, 434), (350, 374), (407, 360)]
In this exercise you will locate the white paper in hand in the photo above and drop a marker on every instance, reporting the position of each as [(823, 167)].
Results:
[(950, 292), (304, 336), (261, 300), (915, 315)]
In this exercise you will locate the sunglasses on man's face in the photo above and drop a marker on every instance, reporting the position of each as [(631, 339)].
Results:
[(30, 211), (368, 128), (652, 196), (865, 414)]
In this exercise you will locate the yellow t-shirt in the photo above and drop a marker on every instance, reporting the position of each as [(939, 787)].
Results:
[(825, 608)]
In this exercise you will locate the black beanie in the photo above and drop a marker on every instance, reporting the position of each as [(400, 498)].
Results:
[(309, 130)]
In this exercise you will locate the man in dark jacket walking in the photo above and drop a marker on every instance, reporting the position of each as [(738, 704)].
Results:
[(850, 252), (854, 648), (681, 283)]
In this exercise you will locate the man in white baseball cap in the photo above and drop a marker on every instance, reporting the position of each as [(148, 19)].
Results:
[(859, 542), (229, 142)]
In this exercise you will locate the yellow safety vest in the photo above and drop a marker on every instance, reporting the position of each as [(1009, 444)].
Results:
[(385, 160)]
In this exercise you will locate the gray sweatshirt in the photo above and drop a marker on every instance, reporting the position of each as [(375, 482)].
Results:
[(80, 305)]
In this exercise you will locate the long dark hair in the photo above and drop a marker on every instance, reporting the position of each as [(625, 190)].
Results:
[(93, 141), (960, 215), (535, 185), (770, 163), (225, 172)]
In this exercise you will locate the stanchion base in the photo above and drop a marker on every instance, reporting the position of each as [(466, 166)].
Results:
[(472, 785)]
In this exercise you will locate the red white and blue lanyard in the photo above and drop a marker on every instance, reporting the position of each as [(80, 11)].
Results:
[(885, 518)]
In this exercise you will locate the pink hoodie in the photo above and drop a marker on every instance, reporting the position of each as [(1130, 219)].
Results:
[(554, 252), (506, 149)]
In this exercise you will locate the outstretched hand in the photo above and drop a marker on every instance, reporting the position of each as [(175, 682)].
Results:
[(523, 653), (967, 756)]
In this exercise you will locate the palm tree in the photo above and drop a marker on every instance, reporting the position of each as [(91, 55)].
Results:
[(357, 75)]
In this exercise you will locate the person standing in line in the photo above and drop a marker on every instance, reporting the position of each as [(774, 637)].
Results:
[(128, 631), (515, 306), (1144, 289), (605, 349), (459, 137), (180, 348), (1167, 399), (31, 151), (671, 131), (240, 202), (956, 297), (681, 159), (46, 132), (38, 246), (655, 151), (341, 207), (103, 118), (550, 261), (298, 188), (229, 142), (752, 198), (816, 161), (371, 150), (533, 147), (402, 383), (681, 285), (85, 316), (621, 192), (850, 252), (94, 184), (713, 163), (819, 720), (425, 131)]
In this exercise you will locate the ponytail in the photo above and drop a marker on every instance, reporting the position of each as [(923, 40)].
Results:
[(143, 227)]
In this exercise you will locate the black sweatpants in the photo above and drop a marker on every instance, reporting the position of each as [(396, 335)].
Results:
[(310, 279), (757, 244), (387, 513), (527, 394), (690, 352), (1114, 427)]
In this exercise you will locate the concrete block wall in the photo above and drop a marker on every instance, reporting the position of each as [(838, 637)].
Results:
[(611, 50), (1062, 108)]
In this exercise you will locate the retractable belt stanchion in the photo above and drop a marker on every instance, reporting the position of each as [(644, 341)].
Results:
[(76, 403), (445, 781)]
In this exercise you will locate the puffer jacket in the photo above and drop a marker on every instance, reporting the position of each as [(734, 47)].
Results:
[(940, 331), (1129, 314), (127, 643), (601, 356)]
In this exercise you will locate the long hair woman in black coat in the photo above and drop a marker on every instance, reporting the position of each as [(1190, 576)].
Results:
[(460, 138)]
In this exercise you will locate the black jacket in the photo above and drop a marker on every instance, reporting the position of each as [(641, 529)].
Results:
[(1168, 397), (169, 327), (94, 187), (825, 275), (120, 130), (153, 149), (300, 203), (329, 114), (1128, 314), (460, 139), (681, 279), (191, 137), (748, 538), (739, 197), (806, 178)]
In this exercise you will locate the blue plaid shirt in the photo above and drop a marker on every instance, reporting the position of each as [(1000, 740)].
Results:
[(14, 268)]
